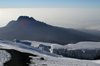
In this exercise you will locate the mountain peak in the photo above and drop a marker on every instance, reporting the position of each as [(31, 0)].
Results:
[(21, 18), (26, 21)]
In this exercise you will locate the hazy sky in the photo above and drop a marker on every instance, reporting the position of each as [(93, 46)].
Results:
[(64, 13)]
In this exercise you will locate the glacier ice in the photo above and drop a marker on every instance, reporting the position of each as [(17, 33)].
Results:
[(22, 42), (81, 50), (44, 47)]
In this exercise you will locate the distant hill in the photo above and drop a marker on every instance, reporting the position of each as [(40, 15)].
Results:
[(27, 28)]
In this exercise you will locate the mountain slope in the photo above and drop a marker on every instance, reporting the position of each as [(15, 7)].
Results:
[(27, 28), (94, 32)]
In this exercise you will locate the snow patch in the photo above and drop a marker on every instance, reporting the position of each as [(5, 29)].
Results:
[(4, 57)]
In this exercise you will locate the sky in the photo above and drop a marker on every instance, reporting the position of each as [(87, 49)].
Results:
[(49, 3), (83, 14)]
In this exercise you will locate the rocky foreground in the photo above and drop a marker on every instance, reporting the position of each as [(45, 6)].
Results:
[(18, 58)]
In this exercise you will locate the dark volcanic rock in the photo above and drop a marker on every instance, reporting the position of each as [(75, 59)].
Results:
[(18, 58)]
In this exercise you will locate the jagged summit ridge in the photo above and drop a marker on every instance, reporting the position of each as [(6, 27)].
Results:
[(24, 18), (26, 21)]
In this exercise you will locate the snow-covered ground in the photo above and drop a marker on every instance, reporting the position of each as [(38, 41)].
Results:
[(4, 57), (49, 58), (81, 50)]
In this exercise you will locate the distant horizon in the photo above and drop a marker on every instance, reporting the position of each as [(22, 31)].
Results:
[(77, 14), (83, 18)]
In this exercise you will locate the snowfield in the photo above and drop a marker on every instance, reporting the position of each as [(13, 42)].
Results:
[(49, 59), (81, 50)]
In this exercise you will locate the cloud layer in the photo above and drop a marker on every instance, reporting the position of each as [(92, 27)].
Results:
[(87, 18)]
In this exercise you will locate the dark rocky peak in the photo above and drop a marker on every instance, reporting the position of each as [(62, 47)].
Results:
[(23, 18), (25, 21), (30, 21)]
